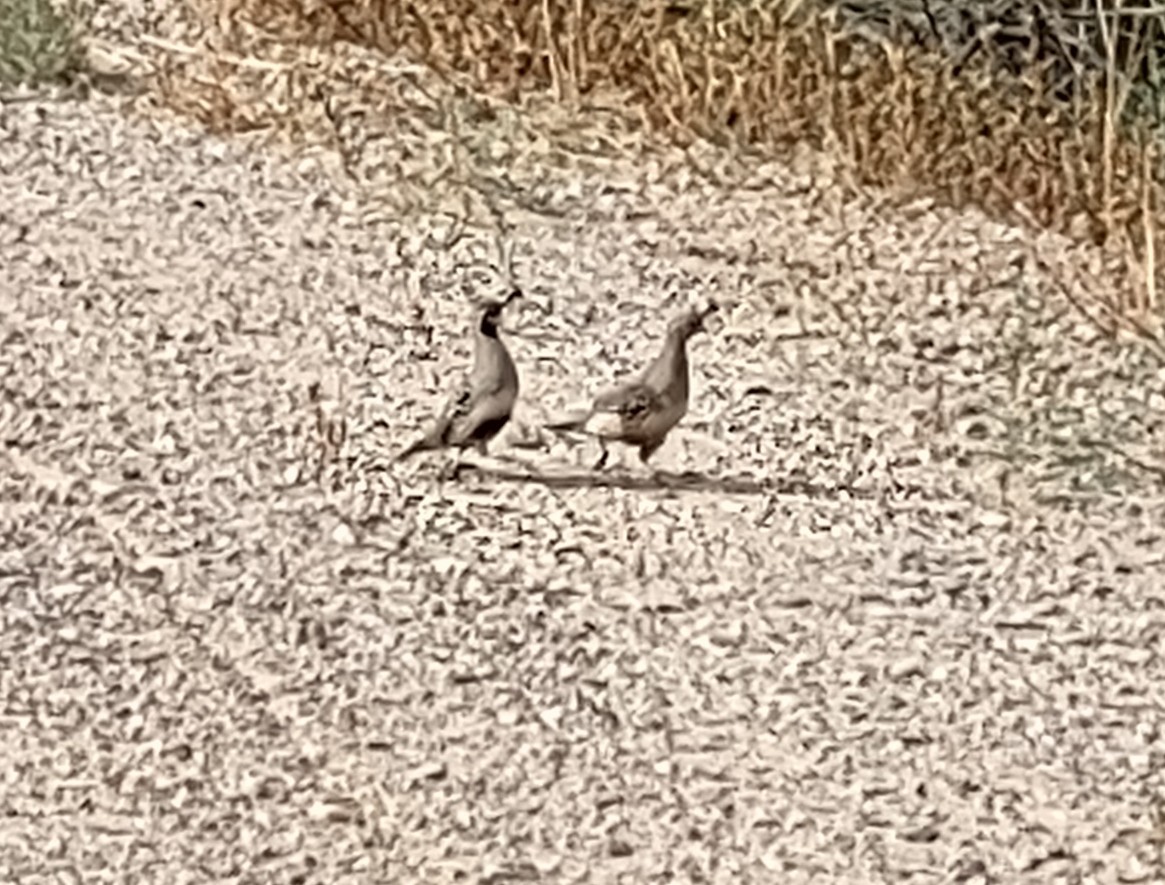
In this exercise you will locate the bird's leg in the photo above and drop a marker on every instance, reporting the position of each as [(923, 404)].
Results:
[(451, 469), (488, 461), (645, 452), (602, 462)]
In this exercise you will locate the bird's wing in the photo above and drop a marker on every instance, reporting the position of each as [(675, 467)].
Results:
[(480, 414), (456, 407), (631, 402)]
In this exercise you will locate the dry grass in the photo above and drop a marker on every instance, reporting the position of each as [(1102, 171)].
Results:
[(1040, 132)]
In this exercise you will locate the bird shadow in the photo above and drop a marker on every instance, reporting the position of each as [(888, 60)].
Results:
[(688, 481)]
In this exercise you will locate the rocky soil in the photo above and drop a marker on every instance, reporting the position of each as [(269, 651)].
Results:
[(892, 609)]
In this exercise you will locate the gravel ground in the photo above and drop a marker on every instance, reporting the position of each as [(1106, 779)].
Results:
[(893, 611)]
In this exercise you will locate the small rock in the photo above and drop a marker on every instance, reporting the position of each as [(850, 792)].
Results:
[(906, 667), (343, 535)]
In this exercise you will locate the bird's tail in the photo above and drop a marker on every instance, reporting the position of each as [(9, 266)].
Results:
[(421, 445)]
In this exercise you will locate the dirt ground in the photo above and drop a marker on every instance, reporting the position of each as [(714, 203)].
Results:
[(891, 612)]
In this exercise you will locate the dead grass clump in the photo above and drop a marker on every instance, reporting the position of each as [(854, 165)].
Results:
[(1023, 112)]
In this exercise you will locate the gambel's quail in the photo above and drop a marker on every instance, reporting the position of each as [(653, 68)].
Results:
[(643, 412), (481, 406)]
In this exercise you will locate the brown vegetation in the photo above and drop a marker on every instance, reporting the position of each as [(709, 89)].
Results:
[(1020, 109)]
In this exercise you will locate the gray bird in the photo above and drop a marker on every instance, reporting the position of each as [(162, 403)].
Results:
[(643, 412), (477, 411)]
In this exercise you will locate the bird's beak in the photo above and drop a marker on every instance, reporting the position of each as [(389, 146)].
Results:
[(518, 295), (500, 305), (703, 315), (543, 306)]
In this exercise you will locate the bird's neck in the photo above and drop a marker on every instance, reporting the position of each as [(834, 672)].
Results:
[(671, 366), (491, 359)]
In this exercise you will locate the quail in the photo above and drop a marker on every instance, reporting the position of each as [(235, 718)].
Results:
[(643, 412), (481, 406)]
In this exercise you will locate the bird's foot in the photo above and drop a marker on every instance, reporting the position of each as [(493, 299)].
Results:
[(602, 462)]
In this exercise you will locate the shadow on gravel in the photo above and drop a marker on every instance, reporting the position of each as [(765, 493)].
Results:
[(689, 481)]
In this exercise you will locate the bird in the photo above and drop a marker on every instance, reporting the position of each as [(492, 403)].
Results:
[(478, 409), (642, 413)]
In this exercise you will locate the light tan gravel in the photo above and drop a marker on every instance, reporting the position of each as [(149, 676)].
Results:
[(896, 616)]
